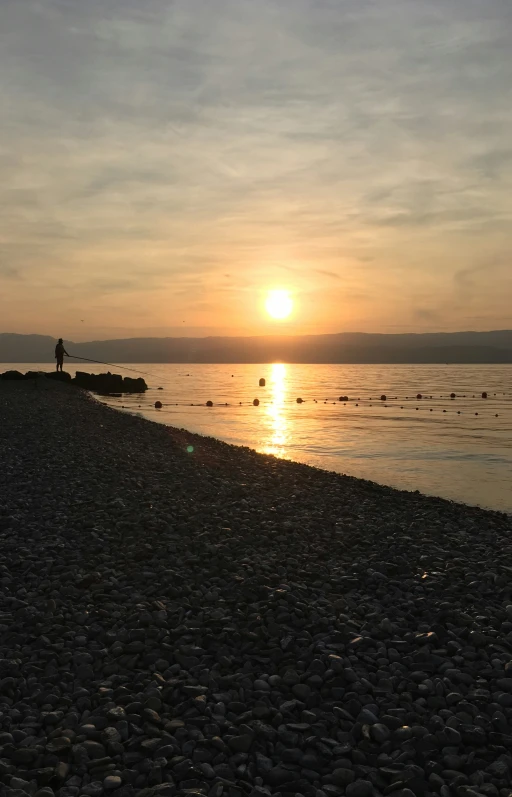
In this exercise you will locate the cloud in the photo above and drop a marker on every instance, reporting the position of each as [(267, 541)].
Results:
[(10, 273), (326, 273), (148, 149), (426, 314)]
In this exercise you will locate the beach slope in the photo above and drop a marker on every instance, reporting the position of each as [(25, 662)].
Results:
[(180, 616)]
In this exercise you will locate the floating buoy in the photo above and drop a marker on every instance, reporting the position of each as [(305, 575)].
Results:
[(452, 395), (209, 403), (419, 396), (299, 401), (262, 382), (158, 405), (343, 398), (476, 413), (160, 388), (382, 398), (256, 403), (484, 395)]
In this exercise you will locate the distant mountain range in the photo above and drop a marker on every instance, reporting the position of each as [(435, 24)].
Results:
[(345, 347)]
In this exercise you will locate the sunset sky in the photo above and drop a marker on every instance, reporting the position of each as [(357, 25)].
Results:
[(165, 164)]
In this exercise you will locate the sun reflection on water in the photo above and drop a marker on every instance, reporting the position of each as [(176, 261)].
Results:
[(276, 411)]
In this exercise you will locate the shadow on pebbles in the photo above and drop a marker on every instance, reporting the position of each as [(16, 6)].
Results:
[(225, 623)]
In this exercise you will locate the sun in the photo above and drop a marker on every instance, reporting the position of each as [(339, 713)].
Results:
[(279, 304)]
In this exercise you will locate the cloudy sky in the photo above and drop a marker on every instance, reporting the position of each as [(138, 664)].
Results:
[(165, 163)]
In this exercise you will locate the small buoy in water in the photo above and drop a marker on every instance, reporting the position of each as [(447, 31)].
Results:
[(458, 412), (343, 398), (431, 410), (256, 402), (160, 388), (299, 401), (444, 410), (496, 416), (484, 395), (158, 405), (419, 396), (476, 413), (209, 403), (382, 398), (262, 382), (452, 395)]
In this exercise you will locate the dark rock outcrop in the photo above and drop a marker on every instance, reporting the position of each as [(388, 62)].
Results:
[(12, 376), (98, 383), (109, 383), (59, 376)]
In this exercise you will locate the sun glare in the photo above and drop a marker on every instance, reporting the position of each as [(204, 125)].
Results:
[(279, 304)]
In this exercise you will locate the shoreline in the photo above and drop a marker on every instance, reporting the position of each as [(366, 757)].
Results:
[(223, 621), (135, 413)]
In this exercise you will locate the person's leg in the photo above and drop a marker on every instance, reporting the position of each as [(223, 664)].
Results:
[(57, 367)]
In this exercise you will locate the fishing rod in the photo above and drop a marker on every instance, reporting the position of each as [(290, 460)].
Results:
[(100, 362)]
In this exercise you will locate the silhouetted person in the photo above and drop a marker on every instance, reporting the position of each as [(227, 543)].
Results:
[(60, 351)]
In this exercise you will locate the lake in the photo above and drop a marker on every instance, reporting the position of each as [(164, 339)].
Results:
[(460, 449)]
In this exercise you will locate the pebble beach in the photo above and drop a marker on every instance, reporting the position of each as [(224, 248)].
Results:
[(179, 616)]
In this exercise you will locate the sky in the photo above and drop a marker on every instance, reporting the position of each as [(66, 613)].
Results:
[(165, 164)]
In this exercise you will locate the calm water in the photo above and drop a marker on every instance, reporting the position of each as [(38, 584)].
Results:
[(400, 442)]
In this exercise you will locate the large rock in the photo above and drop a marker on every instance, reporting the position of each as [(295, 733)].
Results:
[(12, 376), (109, 383), (59, 376)]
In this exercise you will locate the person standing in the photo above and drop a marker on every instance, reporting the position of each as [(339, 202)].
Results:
[(60, 351)]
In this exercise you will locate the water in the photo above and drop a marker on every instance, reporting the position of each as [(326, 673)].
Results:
[(464, 457)]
